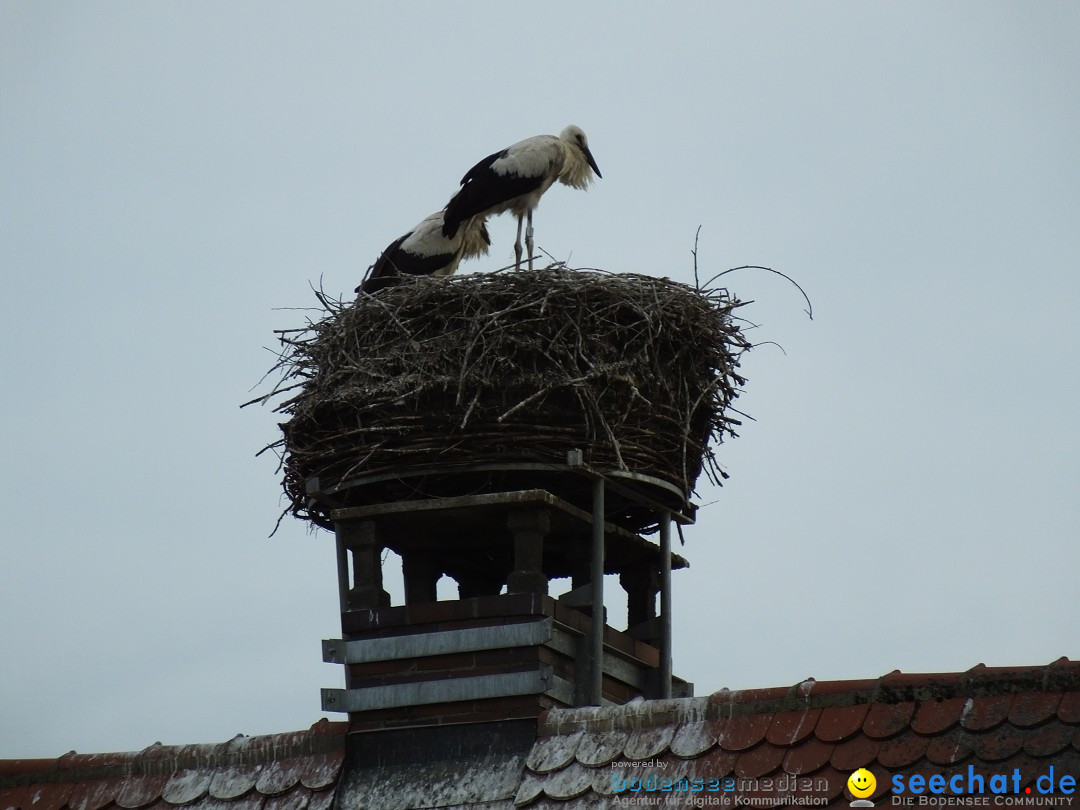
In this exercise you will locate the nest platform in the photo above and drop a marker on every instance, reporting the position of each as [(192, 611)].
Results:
[(449, 387)]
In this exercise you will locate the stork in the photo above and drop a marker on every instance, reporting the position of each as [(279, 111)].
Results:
[(426, 251), (515, 179)]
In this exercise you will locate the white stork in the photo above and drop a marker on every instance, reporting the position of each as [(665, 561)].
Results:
[(515, 179), (426, 251)]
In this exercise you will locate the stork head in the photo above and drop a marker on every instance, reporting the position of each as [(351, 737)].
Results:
[(574, 136)]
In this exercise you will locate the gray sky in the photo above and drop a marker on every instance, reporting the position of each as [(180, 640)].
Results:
[(174, 175)]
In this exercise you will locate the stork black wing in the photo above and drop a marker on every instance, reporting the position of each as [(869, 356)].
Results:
[(383, 271), (483, 188)]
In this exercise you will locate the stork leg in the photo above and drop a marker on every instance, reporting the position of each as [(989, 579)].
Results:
[(529, 239), (517, 246)]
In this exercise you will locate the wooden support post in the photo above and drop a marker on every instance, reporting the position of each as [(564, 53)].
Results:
[(596, 640), (421, 576), (367, 590), (665, 605), (641, 583), (475, 583), (342, 567), (529, 529)]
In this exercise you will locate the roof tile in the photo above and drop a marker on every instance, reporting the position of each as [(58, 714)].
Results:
[(886, 720), (760, 761), (743, 733), (902, 751), (936, 716), (278, 776), (251, 801), (531, 786), (985, 712), (572, 781), (1049, 739), (13, 798), (95, 794), (321, 800), (1068, 710), (74, 761), (994, 746), (789, 728), (692, 739), (201, 777), (809, 757), (717, 764), (597, 750), (140, 791), (647, 743), (602, 781), (320, 771), (552, 753), (231, 783), (1029, 709), (47, 796), (950, 748), (186, 786), (820, 689), (854, 753), (296, 799), (840, 722)]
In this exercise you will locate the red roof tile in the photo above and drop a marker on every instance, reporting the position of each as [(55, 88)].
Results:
[(742, 733), (855, 752), (950, 747), (50, 797), (840, 722), (93, 795), (788, 728), (902, 751), (985, 711), (1069, 709), (755, 742), (761, 761), (808, 758), (991, 719), (935, 716), (1049, 739), (719, 764), (1032, 708), (295, 771), (885, 720)]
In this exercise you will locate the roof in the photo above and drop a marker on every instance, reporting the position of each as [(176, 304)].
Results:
[(292, 771), (806, 740), (763, 747)]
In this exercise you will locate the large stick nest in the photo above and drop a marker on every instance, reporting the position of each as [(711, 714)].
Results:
[(638, 372)]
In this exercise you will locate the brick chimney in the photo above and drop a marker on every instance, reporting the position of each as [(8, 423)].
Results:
[(505, 649)]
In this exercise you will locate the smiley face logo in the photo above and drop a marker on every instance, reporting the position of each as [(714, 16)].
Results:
[(861, 783)]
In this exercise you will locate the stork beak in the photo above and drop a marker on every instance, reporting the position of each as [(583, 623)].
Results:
[(592, 161)]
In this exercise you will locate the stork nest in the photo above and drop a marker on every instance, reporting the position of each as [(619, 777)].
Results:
[(637, 372)]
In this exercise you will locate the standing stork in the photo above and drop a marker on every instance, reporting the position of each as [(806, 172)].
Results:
[(427, 251), (515, 179)]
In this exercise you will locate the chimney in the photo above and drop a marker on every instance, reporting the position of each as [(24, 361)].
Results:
[(506, 431)]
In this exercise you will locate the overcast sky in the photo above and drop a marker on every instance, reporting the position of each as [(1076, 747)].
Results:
[(175, 176)]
